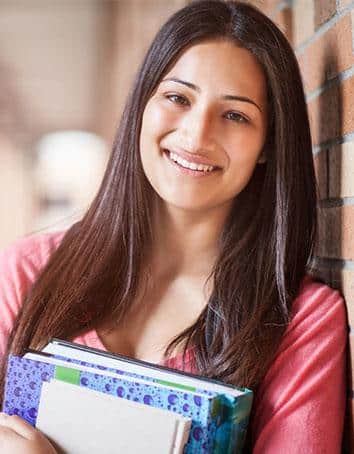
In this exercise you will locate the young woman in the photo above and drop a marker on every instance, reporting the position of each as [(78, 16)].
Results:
[(199, 238)]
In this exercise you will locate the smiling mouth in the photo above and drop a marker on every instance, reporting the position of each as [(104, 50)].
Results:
[(200, 168)]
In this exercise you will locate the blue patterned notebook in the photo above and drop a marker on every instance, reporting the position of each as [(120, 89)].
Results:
[(219, 413)]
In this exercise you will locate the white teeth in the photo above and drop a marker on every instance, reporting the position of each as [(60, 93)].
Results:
[(190, 165)]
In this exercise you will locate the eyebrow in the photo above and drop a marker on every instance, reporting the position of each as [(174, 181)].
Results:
[(226, 97)]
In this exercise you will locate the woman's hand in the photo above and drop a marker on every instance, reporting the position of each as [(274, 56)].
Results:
[(19, 437)]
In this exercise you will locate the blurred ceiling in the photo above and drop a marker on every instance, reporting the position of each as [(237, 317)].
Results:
[(52, 56), (69, 64)]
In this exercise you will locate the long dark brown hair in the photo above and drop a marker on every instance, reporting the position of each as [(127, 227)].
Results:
[(264, 248)]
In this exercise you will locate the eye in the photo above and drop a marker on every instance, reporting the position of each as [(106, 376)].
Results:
[(236, 117), (177, 99)]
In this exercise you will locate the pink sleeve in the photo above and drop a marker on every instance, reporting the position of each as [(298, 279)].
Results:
[(300, 404), (19, 266)]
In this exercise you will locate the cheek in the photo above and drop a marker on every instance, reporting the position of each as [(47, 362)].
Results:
[(244, 148), (156, 121), (243, 153), (152, 130)]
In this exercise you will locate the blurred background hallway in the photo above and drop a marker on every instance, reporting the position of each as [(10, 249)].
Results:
[(65, 71)]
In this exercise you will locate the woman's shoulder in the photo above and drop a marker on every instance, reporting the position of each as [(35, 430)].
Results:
[(34, 248), (22, 260), (309, 364), (318, 314), (20, 264), (315, 300)]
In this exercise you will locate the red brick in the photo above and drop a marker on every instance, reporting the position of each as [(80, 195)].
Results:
[(336, 232), (267, 6), (284, 20), (304, 26), (344, 281), (341, 171), (320, 163), (343, 3), (324, 10), (332, 113), (328, 55), (271, 4)]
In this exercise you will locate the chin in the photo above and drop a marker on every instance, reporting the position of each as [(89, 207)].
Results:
[(188, 204)]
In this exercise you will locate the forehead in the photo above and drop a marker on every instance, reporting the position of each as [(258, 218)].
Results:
[(221, 66)]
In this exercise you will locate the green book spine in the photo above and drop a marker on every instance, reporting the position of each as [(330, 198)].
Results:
[(230, 416), (239, 420)]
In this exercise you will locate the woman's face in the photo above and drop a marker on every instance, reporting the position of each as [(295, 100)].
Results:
[(204, 127)]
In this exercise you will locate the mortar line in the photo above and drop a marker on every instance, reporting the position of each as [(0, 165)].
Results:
[(322, 29)]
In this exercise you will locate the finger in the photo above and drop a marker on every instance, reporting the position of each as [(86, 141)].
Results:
[(18, 425), (6, 434)]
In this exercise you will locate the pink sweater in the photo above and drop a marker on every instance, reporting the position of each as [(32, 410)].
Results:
[(299, 406)]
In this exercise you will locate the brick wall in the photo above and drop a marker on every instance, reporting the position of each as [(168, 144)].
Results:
[(321, 32)]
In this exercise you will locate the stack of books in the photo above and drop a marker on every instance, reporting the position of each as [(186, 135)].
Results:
[(87, 401)]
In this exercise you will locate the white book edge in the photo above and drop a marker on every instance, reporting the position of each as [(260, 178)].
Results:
[(104, 373), (127, 402), (177, 426), (116, 363)]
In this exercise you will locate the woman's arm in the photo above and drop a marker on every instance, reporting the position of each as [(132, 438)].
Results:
[(19, 437), (300, 404), (20, 264)]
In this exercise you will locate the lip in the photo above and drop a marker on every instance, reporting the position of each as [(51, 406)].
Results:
[(185, 171), (191, 157)]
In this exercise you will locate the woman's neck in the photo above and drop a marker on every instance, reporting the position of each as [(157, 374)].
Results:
[(185, 242)]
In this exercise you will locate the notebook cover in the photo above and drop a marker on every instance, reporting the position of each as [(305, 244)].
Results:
[(127, 359), (231, 414), (219, 423), (24, 384)]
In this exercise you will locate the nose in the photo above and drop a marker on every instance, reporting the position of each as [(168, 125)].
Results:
[(197, 129)]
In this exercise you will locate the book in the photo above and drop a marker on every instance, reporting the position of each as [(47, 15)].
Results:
[(218, 413), (107, 423)]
